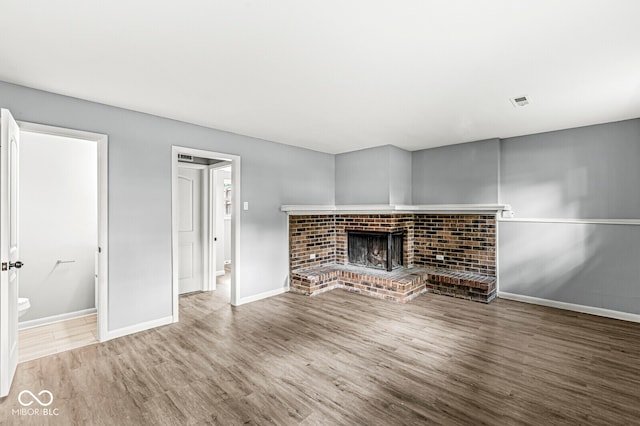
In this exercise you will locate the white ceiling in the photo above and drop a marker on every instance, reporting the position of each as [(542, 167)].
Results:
[(336, 76)]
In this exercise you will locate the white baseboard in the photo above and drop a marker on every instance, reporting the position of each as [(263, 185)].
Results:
[(219, 273), (625, 316), (136, 328), (263, 295), (55, 318)]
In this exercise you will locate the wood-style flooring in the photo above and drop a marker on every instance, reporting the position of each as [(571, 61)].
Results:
[(341, 358), (61, 336)]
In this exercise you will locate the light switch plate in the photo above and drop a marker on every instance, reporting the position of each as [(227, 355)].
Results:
[(246, 205)]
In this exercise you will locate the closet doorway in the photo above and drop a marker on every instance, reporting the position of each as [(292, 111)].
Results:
[(205, 198)]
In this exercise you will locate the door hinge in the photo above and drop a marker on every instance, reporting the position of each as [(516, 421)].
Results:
[(99, 249), (5, 266)]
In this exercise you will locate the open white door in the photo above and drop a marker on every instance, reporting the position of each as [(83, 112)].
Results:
[(9, 151), (190, 236)]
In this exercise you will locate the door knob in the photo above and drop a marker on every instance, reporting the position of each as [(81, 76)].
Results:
[(16, 265)]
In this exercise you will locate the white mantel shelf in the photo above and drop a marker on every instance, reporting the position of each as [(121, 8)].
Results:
[(298, 210)]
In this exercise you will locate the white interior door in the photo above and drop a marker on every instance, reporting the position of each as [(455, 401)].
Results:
[(9, 151), (190, 244)]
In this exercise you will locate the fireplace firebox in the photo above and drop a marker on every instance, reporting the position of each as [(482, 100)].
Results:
[(380, 250)]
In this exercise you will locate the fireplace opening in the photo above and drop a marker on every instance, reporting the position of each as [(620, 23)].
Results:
[(380, 250)]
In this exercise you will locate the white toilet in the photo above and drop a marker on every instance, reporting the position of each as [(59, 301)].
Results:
[(23, 306)]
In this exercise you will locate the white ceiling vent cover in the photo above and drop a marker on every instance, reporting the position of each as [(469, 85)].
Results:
[(520, 101), (185, 157)]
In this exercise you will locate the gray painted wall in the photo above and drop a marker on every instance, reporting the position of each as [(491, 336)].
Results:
[(380, 175), (588, 172), (362, 177), (140, 196), (457, 174), (585, 264), (399, 176)]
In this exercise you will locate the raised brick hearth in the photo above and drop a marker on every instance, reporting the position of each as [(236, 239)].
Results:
[(479, 288), (319, 259), (400, 285)]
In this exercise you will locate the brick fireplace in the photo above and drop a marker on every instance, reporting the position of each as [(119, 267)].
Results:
[(319, 255)]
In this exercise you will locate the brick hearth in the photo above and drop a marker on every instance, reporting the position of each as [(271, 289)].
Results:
[(400, 285)]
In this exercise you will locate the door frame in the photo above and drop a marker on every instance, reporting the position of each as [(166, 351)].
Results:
[(235, 220), (213, 206), (102, 141)]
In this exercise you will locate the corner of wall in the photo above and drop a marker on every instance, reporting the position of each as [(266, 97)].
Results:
[(499, 178), (400, 175)]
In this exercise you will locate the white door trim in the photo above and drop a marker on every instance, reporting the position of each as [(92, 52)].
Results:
[(213, 251), (211, 230), (205, 214), (103, 212), (191, 165), (235, 220)]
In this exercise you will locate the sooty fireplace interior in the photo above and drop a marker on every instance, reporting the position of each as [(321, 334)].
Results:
[(381, 250)]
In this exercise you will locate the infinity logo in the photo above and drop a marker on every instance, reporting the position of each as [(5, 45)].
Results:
[(35, 398)]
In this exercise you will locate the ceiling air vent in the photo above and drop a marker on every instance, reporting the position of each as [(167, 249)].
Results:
[(520, 101), (185, 157)]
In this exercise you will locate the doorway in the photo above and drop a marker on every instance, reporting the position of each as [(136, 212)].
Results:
[(58, 215), (58, 229), (196, 234), (222, 205), (77, 258), (93, 258)]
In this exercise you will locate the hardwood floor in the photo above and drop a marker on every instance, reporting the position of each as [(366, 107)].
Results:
[(58, 337), (341, 358)]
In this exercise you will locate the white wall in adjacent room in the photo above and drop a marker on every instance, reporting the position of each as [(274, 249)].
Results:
[(57, 221)]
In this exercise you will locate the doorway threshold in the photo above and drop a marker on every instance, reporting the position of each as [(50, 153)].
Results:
[(62, 336)]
